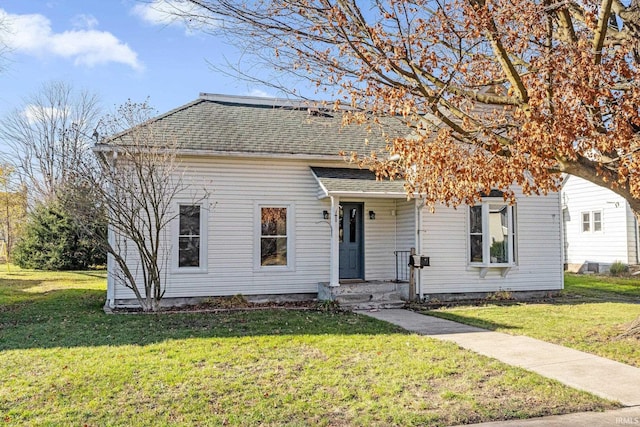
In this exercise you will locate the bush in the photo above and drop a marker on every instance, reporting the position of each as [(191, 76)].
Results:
[(618, 268), (51, 240)]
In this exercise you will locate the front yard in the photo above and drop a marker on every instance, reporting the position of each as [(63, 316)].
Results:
[(589, 316), (64, 362)]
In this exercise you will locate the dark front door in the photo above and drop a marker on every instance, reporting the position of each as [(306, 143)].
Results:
[(351, 241)]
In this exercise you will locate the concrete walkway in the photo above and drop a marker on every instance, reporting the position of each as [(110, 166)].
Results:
[(584, 371)]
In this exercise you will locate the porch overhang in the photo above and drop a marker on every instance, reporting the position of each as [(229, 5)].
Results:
[(356, 183)]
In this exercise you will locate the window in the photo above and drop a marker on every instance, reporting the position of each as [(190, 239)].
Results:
[(273, 236), (592, 221), (586, 222), (492, 239), (597, 221), (191, 237)]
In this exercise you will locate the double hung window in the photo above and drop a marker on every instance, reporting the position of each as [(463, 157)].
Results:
[(191, 227), (275, 236)]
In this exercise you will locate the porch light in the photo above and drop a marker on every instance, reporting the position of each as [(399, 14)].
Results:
[(372, 215), (325, 214)]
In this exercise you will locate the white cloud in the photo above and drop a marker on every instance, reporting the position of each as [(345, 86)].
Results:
[(84, 22), (32, 35), (35, 113), (158, 12), (259, 93), (165, 12)]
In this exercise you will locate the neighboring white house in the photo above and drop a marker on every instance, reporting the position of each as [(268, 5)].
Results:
[(286, 216), (599, 227)]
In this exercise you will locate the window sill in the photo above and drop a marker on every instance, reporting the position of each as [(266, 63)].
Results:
[(483, 269), (190, 270), (273, 268)]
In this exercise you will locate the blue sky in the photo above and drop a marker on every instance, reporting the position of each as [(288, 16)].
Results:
[(119, 49)]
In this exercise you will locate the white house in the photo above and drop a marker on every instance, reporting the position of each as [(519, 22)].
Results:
[(599, 227), (287, 217)]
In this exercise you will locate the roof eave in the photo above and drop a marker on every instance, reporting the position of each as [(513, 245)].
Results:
[(366, 194), (107, 148)]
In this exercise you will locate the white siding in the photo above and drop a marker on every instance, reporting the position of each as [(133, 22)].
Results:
[(445, 240), (405, 225), (235, 187), (379, 240), (613, 242)]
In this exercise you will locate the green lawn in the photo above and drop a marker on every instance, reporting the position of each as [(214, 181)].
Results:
[(64, 362), (590, 314)]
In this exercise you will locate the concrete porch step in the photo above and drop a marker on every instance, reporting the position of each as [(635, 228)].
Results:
[(366, 287), (373, 305), (365, 295)]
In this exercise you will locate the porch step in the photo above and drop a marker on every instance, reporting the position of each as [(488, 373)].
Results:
[(371, 305), (365, 295)]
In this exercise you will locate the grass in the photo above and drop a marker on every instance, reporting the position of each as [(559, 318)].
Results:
[(64, 362), (590, 314)]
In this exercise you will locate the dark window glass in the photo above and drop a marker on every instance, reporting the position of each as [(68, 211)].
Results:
[(597, 221), (353, 225), (586, 222), (499, 231), (341, 225), (189, 236), (476, 248), (475, 227), (475, 219), (273, 239)]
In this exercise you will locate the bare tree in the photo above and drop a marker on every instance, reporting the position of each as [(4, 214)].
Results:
[(5, 32), (49, 136), (133, 190)]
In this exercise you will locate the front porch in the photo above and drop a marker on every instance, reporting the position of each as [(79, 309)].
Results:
[(372, 230)]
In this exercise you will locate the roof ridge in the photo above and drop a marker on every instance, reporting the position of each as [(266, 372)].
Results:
[(262, 101)]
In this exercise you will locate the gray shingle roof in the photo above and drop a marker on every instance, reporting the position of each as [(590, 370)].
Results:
[(355, 181), (263, 126)]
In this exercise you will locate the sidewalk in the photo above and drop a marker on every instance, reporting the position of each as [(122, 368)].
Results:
[(584, 371)]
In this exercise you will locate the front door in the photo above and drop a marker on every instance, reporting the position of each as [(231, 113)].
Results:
[(351, 241)]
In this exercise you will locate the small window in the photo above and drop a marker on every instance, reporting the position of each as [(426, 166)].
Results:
[(189, 236), (597, 221), (492, 239), (592, 222), (586, 222), (273, 236)]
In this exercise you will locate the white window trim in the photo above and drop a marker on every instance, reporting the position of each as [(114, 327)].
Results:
[(592, 221), (257, 236), (204, 238), (486, 249)]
